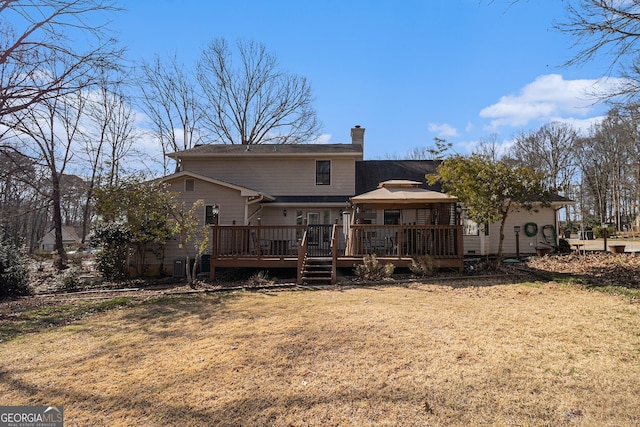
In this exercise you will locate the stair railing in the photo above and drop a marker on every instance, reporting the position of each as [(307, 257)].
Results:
[(302, 256)]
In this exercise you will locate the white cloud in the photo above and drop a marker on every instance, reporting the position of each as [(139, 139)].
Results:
[(469, 127), (547, 97), (501, 147), (582, 126), (443, 129)]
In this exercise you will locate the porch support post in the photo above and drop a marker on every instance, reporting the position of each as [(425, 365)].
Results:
[(214, 252), (460, 244)]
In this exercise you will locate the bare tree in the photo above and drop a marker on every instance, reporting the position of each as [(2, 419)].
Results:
[(24, 208), (490, 148), (550, 150), (35, 33), (611, 29), (107, 140), (254, 102), (172, 103), (47, 134)]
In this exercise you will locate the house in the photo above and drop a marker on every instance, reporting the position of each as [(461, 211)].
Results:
[(283, 205), (69, 239)]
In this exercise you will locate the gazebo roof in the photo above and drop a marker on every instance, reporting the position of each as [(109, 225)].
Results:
[(402, 192)]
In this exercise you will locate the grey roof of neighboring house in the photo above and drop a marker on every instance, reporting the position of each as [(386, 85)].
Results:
[(556, 198), (269, 149), (370, 173)]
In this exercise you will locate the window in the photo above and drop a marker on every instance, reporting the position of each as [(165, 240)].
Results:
[(211, 214), (323, 172), (470, 228), (189, 185), (391, 217)]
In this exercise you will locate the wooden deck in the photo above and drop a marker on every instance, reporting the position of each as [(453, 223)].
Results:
[(259, 246)]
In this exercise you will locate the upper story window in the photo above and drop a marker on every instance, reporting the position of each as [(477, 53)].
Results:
[(323, 172)]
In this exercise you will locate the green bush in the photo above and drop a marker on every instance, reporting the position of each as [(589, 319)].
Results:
[(71, 280), (372, 269), (113, 241), (598, 232), (564, 246), (14, 270)]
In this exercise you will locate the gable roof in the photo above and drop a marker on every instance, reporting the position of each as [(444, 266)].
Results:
[(244, 191), (370, 173), (269, 150), (69, 235)]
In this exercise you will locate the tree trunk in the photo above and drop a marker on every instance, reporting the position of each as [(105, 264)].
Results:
[(61, 262)]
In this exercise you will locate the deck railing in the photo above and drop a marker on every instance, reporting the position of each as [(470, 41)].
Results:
[(438, 241), (274, 246), (269, 241), (256, 241)]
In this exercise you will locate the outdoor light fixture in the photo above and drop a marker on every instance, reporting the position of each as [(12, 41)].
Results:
[(284, 212), (516, 229)]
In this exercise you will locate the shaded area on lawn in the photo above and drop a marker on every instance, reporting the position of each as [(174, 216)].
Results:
[(416, 355)]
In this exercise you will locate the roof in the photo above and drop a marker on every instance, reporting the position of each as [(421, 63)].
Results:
[(369, 173), (402, 191), (69, 235), (244, 191), (267, 150), (339, 200), (556, 199)]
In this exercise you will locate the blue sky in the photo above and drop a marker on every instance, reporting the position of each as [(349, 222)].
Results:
[(407, 71)]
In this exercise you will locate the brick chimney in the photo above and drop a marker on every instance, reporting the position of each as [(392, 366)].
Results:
[(357, 135)]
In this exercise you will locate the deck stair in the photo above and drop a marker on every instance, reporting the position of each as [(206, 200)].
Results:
[(317, 271)]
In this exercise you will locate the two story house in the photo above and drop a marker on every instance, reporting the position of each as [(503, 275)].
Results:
[(280, 205)]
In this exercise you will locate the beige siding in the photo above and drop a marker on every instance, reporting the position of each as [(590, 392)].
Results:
[(273, 215), (232, 207), (528, 244), (282, 177), (471, 245)]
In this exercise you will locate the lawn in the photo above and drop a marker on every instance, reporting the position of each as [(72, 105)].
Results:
[(458, 354)]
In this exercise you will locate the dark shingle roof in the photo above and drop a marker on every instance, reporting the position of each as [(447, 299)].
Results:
[(268, 149), (312, 199), (370, 173)]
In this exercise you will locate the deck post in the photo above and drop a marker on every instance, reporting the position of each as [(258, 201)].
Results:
[(214, 252)]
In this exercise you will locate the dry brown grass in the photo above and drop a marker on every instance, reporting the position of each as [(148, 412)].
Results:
[(421, 355)]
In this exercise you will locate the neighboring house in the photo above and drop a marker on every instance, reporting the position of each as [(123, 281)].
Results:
[(265, 203), (69, 239)]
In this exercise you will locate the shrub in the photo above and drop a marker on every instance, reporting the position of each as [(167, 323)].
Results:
[(564, 246), (114, 243), (422, 265), (14, 270), (71, 280), (598, 232), (261, 278), (371, 269)]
